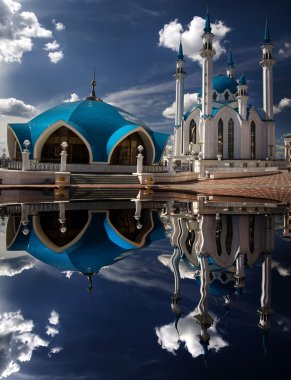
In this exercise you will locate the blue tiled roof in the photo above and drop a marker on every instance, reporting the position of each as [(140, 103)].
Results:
[(100, 123)]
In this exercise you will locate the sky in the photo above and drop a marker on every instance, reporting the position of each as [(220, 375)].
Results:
[(48, 50)]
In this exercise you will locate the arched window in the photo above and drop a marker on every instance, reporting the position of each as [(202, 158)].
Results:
[(125, 152), (77, 149), (214, 96), (231, 139), (220, 137), (193, 132), (253, 140), (226, 96)]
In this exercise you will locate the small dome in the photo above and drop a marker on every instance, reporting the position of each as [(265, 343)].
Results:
[(220, 83)]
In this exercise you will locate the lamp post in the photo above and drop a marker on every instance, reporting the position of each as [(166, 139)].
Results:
[(64, 154), (139, 159), (170, 159), (219, 150), (25, 156)]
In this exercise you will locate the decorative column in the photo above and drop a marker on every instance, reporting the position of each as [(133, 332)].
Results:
[(25, 156), (139, 160), (24, 218), (265, 311), (64, 154), (62, 217), (170, 159), (137, 213), (219, 150)]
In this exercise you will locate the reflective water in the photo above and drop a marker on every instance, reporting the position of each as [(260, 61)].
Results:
[(150, 288)]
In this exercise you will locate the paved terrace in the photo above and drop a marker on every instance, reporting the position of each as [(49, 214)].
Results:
[(274, 187)]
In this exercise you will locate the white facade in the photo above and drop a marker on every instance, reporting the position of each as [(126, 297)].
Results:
[(223, 126)]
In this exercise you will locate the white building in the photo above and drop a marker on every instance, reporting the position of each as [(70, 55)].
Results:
[(223, 125), (287, 146)]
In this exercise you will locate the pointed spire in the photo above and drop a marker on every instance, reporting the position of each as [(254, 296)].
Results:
[(92, 96), (242, 80), (180, 53), (267, 36), (207, 28), (230, 59)]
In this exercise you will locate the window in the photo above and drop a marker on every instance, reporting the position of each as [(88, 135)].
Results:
[(214, 96), (231, 139), (193, 132), (220, 137), (226, 96), (253, 140)]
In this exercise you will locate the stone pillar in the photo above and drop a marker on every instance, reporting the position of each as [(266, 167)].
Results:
[(170, 159), (139, 161), (63, 154)]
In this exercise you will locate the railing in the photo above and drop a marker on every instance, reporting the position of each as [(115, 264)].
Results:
[(6, 163), (241, 170), (154, 169)]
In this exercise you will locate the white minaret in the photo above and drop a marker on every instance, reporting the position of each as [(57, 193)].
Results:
[(207, 53), (242, 97), (179, 76), (265, 311), (267, 63), (230, 70)]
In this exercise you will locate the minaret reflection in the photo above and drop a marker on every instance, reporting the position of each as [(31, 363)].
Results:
[(219, 244)]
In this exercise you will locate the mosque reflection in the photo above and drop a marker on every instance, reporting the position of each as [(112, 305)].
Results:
[(216, 239)]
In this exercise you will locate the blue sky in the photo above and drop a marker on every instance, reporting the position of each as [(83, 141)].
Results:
[(48, 51)]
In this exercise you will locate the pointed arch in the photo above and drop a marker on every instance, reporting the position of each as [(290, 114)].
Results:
[(220, 137), (193, 132), (231, 139), (253, 140)]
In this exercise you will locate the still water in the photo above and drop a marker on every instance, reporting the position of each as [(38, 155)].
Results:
[(145, 289)]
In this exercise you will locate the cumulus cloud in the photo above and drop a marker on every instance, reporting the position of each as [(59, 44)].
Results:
[(284, 103), (13, 266), (56, 56), (73, 98), (286, 51), (283, 271), (189, 101), (169, 37), (54, 350), (189, 331), (59, 26), (54, 318), (51, 331), (17, 342), (17, 30), (51, 46), (16, 107)]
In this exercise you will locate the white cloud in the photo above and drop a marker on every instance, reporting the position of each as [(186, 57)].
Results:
[(17, 342), (284, 103), (51, 46), (16, 107), (54, 318), (189, 100), (17, 31), (59, 26), (73, 98), (189, 331), (191, 37), (51, 331), (68, 273), (56, 56), (54, 350), (283, 271), (13, 266), (286, 51)]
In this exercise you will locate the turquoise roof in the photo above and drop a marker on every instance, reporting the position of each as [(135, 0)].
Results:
[(242, 80), (267, 35), (100, 123), (207, 27), (220, 83), (180, 53), (230, 59)]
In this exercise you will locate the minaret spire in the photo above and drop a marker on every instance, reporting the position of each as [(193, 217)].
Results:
[(179, 76), (230, 65), (267, 35)]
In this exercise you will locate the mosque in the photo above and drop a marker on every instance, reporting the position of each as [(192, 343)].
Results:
[(221, 130), (223, 125)]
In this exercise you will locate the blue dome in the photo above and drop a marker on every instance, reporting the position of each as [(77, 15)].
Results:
[(221, 83), (101, 125)]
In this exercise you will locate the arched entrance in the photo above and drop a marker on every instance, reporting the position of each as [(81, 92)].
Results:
[(126, 151), (77, 149)]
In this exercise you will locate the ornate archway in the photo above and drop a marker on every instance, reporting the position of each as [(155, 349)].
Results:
[(77, 150), (126, 151)]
